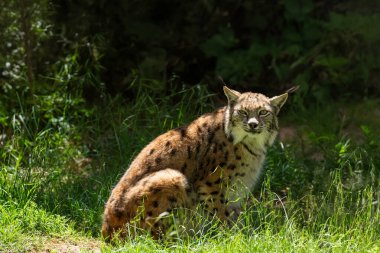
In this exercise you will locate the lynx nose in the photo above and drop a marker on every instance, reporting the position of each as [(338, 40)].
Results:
[(253, 123)]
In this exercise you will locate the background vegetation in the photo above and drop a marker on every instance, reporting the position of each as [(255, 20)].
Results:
[(86, 84)]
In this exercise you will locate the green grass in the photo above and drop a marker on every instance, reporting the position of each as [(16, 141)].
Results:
[(61, 158)]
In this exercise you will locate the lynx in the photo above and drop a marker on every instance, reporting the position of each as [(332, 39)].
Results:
[(215, 161)]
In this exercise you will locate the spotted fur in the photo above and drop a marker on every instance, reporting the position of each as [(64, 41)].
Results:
[(214, 161)]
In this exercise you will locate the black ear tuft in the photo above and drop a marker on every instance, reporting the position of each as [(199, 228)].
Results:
[(292, 89)]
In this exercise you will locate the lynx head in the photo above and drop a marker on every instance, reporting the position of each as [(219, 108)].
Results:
[(252, 115)]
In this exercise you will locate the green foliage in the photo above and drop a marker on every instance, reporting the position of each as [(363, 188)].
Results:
[(34, 138), (329, 49), (326, 56)]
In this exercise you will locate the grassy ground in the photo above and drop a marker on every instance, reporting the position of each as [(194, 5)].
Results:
[(61, 157)]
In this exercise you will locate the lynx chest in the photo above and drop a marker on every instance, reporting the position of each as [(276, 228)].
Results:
[(245, 166)]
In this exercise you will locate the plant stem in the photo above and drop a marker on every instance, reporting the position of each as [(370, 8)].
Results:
[(25, 20)]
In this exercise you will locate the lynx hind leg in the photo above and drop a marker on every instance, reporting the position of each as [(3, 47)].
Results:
[(143, 205)]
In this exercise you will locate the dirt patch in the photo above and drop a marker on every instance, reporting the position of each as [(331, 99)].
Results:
[(296, 135), (288, 133), (69, 246)]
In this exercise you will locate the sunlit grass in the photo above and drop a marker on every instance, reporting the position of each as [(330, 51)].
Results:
[(58, 172)]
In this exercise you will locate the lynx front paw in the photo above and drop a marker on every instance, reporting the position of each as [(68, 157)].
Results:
[(232, 213)]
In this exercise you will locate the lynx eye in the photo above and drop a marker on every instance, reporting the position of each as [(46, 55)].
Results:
[(242, 113), (263, 113)]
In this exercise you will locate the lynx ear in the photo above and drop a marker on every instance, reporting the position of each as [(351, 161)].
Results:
[(232, 95), (278, 101)]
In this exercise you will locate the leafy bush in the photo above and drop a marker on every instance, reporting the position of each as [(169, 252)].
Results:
[(327, 48)]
